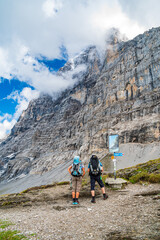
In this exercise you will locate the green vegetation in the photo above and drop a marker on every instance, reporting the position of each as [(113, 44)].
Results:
[(142, 176), (4, 224), (11, 235), (8, 234), (146, 172), (85, 182), (38, 188), (154, 178), (6, 203), (104, 178), (63, 183)]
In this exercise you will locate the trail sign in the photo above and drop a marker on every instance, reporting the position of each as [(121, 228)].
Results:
[(118, 154), (113, 143)]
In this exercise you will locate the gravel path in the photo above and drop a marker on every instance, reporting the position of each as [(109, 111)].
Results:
[(124, 215)]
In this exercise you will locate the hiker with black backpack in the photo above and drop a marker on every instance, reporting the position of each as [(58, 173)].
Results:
[(77, 171), (95, 170)]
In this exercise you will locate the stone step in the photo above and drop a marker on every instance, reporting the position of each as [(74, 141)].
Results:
[(115, 183)]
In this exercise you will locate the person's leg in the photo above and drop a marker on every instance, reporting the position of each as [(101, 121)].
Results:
[(77, 195), (92, 189), (79, 184), (103, 190), (73, 189), (73, 195), (101, 184)]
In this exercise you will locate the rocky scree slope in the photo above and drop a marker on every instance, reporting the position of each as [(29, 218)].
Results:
[(120, 95)]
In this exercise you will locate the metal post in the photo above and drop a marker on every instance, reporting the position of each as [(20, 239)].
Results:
[(114, 162)]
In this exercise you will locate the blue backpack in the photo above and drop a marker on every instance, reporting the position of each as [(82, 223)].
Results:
[(77, 167)]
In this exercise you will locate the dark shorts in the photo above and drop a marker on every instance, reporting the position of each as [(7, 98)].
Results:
[(96, 178)]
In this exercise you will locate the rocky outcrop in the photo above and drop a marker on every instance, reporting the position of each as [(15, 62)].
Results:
[(120, 94)]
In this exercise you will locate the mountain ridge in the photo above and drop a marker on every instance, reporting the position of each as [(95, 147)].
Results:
[(120, 96)]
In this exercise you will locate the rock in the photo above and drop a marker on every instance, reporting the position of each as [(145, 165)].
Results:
[(115, 183), (119, 95)]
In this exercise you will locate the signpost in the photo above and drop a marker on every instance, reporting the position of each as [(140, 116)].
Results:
[(118, 154), (114, 148), (115, 162)]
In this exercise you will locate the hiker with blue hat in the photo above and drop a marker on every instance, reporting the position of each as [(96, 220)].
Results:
[(77, 171)]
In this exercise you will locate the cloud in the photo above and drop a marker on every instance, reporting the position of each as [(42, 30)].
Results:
[(31, 29), (145, 11), (41, 27), (51, 7), (45, 25), (28, 69), (23, 98), (5, 66), (6, 124)]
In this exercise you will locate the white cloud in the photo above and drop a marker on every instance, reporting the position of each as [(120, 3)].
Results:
[(29, 29), (23, 98), (6, 124), (44, 25), (5, 66), (51, 7), (26, 68), (144, 11), (41, 27)]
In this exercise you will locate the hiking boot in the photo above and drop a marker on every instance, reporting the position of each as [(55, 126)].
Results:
[(93, 201), (76, 200), (105, 196)]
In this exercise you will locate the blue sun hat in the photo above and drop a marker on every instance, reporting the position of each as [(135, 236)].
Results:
[(76, 160)]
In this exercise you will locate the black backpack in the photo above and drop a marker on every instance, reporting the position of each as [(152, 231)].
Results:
[(95, 168)]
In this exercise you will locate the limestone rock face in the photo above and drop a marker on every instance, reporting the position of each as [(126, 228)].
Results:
[(119, 95)]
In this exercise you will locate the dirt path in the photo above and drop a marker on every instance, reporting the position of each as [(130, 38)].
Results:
[(124, 215)]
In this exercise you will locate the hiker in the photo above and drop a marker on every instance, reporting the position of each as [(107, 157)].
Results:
[(95, 170), (77, 173)]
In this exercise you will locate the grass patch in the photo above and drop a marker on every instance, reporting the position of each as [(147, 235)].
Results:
[(104, 178), (63, 183), (142, 176), (154, 178), (8, 234), (145, 177), (12, 235), (4, 224), (38, 188), (145, 172), (85, 182)]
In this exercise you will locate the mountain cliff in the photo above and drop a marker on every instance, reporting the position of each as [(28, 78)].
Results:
[(117, 95)]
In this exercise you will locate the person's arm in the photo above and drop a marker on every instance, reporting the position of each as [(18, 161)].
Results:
[(69, 169), (101, 166), (88, 167), (83, 169)]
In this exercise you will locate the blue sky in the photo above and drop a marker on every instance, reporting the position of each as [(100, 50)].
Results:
[(38, 37), (7, 86)]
